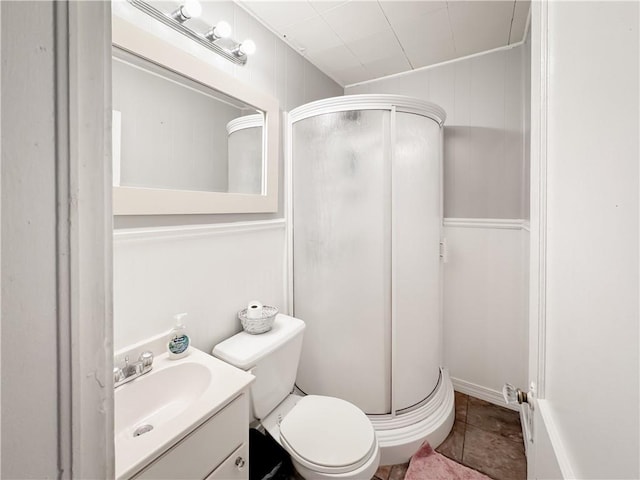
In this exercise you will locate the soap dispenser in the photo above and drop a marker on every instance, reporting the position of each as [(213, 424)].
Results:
[(178, 345)]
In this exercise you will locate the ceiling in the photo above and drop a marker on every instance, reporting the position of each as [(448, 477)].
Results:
[(357, 40)]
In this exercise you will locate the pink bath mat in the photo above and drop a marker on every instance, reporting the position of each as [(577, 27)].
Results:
[(426, 464)]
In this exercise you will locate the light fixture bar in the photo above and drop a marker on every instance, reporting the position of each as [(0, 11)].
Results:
[(238, 58)]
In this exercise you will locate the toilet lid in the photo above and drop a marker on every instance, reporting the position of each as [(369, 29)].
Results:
[(328, 434)]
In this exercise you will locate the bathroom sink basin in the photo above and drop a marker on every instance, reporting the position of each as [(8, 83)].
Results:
[(157, 398), (159, 408)]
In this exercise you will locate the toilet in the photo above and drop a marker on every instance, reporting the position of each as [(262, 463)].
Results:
[(326, 437)]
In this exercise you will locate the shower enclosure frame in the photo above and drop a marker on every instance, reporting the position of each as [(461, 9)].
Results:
[(400, 433)]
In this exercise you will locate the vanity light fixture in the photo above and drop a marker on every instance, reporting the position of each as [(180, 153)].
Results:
[(222, 30)]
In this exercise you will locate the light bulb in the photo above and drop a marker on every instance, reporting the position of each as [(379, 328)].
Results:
[(222, 29), (248, 47), (191, 9)]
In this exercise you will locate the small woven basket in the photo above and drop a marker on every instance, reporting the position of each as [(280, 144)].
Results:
[(255, 326)]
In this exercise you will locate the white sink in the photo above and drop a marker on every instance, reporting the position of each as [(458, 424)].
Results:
[(169, 402)]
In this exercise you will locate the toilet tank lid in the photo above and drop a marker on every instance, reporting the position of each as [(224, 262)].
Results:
[(243, 350)]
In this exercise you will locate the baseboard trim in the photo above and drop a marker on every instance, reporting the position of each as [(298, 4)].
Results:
[(483, 393)]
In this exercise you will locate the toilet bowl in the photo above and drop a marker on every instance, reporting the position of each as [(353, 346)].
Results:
[(326, 437)]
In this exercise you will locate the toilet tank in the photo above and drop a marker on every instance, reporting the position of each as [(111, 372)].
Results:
[(271, 356)]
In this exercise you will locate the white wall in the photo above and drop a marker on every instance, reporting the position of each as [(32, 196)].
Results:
[(592, 358), (208, 271), (526, 182), (485, 333), (484, 300), (1, 229), (483, 142), (211, 275), (29, 329)]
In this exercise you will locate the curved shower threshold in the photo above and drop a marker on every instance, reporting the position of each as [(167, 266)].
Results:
[(400, 436)]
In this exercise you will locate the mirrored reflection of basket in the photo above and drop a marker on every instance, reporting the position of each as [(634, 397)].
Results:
[(255, 326)]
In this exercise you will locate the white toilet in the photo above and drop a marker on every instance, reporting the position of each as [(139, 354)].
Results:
[(327, 438)]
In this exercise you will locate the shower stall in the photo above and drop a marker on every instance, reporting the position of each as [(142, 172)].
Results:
[(365, 210)]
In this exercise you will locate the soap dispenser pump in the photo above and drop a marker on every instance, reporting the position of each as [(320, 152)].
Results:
[(179, 341)]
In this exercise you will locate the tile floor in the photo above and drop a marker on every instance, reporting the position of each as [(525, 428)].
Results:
[(485, 437)]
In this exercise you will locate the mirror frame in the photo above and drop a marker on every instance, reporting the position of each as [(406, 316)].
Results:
[(155, 201)]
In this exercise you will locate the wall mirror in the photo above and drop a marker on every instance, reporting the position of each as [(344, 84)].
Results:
[(187, 138)]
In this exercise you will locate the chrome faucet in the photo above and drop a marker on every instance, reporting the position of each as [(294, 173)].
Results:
[(129, 371)]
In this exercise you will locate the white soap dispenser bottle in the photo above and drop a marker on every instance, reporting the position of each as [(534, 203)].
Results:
[(178, 345)]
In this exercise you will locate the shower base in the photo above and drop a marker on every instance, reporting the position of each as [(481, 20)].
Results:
[(401, 435)]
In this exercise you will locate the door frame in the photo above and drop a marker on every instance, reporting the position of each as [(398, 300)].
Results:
[(538, 214), (84, 239), (545, 452)]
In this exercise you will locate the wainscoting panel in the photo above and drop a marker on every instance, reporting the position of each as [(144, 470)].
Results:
[(209, 271), (485, 317)]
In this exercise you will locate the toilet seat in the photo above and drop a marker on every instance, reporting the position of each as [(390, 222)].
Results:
[(328, 435)]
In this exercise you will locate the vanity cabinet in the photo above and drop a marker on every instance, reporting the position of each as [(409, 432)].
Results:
[(236, 467), (218, 449)]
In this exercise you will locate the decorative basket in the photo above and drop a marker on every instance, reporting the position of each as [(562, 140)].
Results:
[(255, 326)]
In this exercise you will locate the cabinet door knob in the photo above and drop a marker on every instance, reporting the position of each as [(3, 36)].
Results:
[(240, 462)]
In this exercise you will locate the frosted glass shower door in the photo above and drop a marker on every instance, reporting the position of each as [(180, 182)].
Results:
[(417, 210), (342, 255)]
